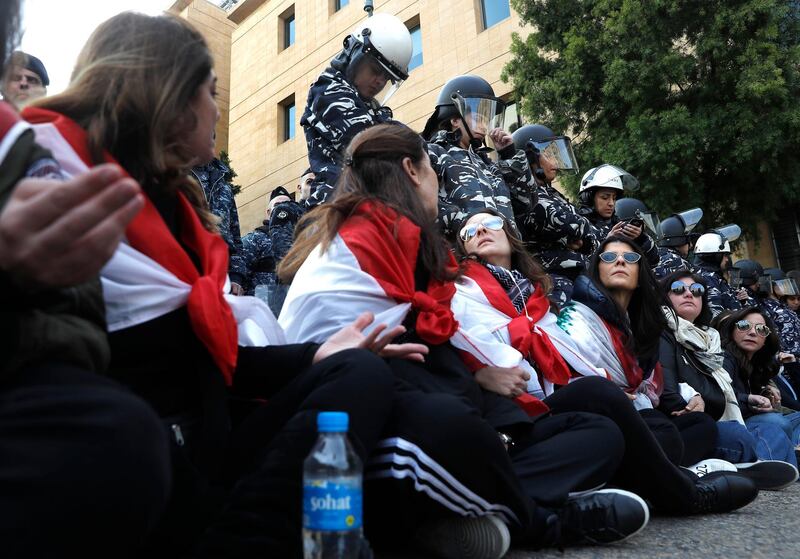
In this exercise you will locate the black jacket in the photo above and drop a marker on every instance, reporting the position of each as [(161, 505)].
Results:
[(679, 365)]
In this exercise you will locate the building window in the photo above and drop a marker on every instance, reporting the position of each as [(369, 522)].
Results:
[(416, 41), (286, 28), (494, 11), (287, 114), (339, 4)]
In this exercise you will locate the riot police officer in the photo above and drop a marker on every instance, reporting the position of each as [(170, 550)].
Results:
[(467, 115), (786, 321), (343, 100), (712, 259), (675, 242), (554, 231)]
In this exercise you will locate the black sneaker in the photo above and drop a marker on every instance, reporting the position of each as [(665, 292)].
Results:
[(769, 475), (723, 492), (605, 516), (483, 537)]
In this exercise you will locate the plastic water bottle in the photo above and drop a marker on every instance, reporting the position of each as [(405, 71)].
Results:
[(332, 498)]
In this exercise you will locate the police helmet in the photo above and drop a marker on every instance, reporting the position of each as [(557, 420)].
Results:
[(749, 271), (712, 243), (536, 139), (605, 176), (458, 89)]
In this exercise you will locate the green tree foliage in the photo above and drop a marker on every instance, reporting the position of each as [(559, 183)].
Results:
[(699, 99), (231, 174)]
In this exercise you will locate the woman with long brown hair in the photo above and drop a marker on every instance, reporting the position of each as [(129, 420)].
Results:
[(142, 96)]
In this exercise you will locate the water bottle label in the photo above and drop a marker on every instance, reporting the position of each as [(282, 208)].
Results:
[(331, 506)]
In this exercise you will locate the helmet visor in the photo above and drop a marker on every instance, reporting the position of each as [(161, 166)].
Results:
[(651, 222), (690, 218), (730, 232), (482, 114), (559, 151), (785, 288)]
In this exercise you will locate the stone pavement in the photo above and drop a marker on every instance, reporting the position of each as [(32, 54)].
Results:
[(769, 528)]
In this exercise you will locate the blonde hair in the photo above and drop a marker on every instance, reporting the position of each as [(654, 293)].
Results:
[(131, 89)]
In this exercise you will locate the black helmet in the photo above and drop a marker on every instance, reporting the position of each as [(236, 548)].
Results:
[(775, 274), (465, 86), (629, 208), (673, 233), (749, 271), (534, 139)]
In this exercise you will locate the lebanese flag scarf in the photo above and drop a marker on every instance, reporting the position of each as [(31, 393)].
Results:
[(532, 342), (369, 266), (210, 315)]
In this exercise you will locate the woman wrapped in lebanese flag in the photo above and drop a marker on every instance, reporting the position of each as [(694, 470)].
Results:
[(501, 304)]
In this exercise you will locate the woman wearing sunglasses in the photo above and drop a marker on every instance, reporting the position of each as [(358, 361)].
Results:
[(501, 304), (616, 316), (751, 346), (691, 358)]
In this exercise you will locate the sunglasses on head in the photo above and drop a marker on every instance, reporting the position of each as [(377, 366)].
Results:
[(609, 257), (745, 326), (493, 222), (679, 288)]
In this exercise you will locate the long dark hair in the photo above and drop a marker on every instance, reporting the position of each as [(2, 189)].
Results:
[(375, 174), (762, 366), (520, 259), (130, 90), (9, 27), (704, 318), (644, 321)]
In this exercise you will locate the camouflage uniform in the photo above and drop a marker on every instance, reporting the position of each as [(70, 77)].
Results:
[(553, 224), (787, 323), (669, 261), (221, 203), (603, 226), (266, 246), (721, 297), (469, 181), (334, 114), (281, 228)]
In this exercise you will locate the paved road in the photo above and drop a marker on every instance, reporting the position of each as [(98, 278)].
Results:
[(769, 528)]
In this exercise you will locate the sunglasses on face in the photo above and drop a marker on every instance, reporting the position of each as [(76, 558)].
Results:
[(609, 257), (745, 326), (495, 223), (679, 288)]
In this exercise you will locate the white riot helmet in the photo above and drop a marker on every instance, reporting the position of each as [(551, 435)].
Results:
[(605, 176), (387, 40), (718, 241), (711, 243)]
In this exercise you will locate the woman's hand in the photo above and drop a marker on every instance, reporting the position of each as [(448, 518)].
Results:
[(695, 403), (504, 381), (759, 404), (774, 396), (625, 229), (352, 337), (55, 234), (741, 295), (501, 138), (784, 357)]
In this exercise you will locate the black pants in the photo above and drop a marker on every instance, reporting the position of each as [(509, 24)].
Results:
[(686, 439), (443, 457), (262, 515), (645, 468), (84, 467)]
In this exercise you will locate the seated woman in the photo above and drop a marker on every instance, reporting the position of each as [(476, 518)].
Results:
[(376, 247), (501, 305), (751, 346), (142, 96), (694, 380), (615, 315)]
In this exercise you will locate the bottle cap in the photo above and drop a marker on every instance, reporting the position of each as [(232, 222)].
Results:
[(332, 421)]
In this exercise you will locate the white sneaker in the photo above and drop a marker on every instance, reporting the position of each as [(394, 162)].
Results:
[(482, 537), (705, 467), (769, 475)]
